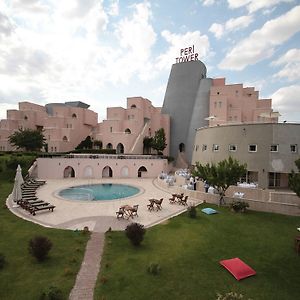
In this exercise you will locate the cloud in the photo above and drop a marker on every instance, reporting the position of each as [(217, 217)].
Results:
[(178, 41), (30, 6), (255, 5), (291, 65), (232, 24), (6, 27), (208, 2), (136, 37), (217, 30), (286, 99), (4, 107), (113, 9), (261, 43)]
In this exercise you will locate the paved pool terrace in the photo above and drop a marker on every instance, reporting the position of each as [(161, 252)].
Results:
[(99, 216)]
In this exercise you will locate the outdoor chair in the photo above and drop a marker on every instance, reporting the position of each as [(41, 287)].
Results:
[(33, 210), (172, 200), (150, 206), (134, 211), (158, 203), (183, 201), (120, 213)]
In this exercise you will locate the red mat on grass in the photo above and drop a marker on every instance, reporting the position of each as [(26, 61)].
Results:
[(237, 268)]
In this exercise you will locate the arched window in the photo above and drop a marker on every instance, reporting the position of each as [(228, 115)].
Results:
[(133, 106), (107, 172), (109, 146), (74, 116), (141, 170), (69, 172), (181, 147), (120, 148), (65, 139), (127, 130)]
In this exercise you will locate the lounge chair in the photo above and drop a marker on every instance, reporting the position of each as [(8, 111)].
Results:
[(33, 210)]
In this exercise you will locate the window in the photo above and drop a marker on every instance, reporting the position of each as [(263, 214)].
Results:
[(215, 104), (204, 147), (274, 148), (133, 106), (218, 93), (55, 149), (25, 118), (216, 147), (197, 147), (110, 129), (294, 148), (252, 148), (220, 104), (232, 148)]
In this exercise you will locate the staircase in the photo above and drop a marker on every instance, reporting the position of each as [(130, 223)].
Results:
[(181, 162), (137, 147)]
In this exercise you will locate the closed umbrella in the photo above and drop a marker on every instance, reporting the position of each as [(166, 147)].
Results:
[(17, 191)]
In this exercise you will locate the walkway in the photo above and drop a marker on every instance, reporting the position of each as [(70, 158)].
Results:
[(87, 276)]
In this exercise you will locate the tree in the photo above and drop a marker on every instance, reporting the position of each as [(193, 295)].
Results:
[(87, 143), (29, 139), (294, 179), (159, 141), (221, 175)]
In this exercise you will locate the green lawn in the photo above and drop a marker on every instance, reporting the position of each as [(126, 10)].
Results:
[(189, 250), (23, 277)]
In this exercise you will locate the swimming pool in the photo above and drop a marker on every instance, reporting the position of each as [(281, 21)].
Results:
[(95, 192)]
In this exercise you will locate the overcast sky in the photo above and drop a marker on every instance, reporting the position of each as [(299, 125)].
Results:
[(103, 51)]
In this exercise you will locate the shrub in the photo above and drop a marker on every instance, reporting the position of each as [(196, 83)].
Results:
[(53, 293), (239, 206), (231, 296), (135, 233), (2, 261), (154, 269), (192, 211), (39, 247)]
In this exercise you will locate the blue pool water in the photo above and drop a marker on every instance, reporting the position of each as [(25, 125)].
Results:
[(94, 192)]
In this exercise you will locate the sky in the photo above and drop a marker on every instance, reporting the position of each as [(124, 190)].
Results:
[(102, 51)]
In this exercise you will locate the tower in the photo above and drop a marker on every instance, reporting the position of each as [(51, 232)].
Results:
[(187, 103)]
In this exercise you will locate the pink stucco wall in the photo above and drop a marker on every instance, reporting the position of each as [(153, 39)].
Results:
[(234, 103), (92, 166), (140, 118)]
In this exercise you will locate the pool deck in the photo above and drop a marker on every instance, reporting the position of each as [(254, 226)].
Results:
[(99, 216)]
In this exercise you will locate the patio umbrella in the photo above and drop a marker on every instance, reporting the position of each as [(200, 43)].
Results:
[(17, 191)]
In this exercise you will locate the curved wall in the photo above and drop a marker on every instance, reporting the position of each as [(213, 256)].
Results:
[(186, 101), (263, 136)]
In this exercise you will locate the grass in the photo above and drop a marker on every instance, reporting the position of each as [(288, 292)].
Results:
[(22, 276), (189, 250)]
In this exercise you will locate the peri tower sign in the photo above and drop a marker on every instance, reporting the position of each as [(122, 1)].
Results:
[(187, 54)]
